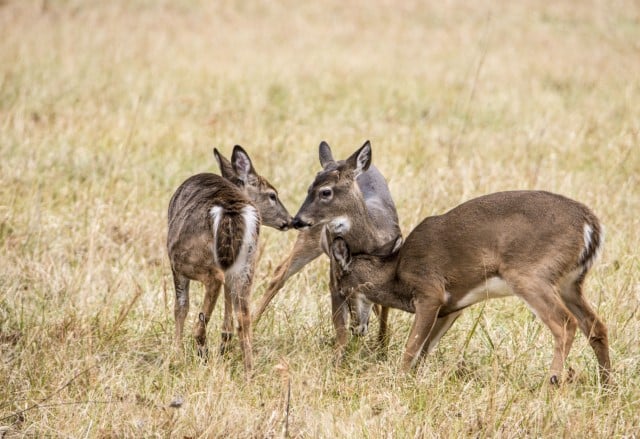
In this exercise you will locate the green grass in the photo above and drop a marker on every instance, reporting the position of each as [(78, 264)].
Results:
[(106, 107)]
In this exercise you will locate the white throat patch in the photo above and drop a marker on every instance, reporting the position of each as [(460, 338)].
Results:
[(339, 226)]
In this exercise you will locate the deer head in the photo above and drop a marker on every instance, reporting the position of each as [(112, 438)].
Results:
[(241, 172), (334, 192)]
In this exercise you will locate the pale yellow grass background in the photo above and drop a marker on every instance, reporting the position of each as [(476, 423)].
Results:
[(106, 107)]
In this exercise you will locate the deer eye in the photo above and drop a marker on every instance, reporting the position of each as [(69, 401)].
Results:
[(325, 193), (272, 196)]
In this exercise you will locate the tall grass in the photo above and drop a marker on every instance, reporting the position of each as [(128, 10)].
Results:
[(106, 107)]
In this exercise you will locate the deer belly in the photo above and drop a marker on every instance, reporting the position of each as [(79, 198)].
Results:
[(489, 289)]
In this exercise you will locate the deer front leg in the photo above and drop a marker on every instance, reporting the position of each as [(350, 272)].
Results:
[(426, 316), (339, 317), (383, 315), (305, 250), (441, 326)]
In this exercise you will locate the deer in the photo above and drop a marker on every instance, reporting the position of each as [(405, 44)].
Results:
[(213, 229), (377, 227), (535, 245)]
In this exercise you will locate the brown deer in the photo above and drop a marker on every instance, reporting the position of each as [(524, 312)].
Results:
[(213, 238), (535, 245), (373, 231)]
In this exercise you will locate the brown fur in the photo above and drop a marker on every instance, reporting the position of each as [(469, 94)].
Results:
[(208, 241), (532, 240), (377, 225), (191, 224)]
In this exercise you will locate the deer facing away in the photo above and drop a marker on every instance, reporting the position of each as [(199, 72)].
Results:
[(375, 227), (212, 237), (535, 245)]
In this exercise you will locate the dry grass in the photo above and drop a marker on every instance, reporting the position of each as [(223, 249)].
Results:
[(105, 107)]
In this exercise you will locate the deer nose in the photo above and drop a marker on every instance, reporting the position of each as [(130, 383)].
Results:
[(299, 223), (285, 225)]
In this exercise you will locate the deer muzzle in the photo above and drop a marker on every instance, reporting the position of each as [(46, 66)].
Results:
[(299, 223)]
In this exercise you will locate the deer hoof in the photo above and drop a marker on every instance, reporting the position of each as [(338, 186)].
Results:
[(554, 380), (203, 352), (359, 330), (226, 342), (571, 375)]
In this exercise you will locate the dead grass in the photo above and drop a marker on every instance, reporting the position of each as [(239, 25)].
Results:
[(105, 107)]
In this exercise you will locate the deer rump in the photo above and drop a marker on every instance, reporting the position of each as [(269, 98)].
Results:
[(231, 219)]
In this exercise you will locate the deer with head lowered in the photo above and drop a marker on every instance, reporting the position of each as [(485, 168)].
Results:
[(213, 238), (375, 228), (535, 245)]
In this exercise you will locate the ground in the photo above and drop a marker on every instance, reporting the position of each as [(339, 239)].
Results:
[(106, 107)]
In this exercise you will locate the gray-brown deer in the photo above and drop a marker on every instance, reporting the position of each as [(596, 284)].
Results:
[(535, 245), (375, 228), (213, 238)]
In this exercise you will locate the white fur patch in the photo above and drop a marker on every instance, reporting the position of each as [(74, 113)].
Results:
[(588, 237), (249, 242), (339, 226), (492, 288), (397, 244), (216, 213)]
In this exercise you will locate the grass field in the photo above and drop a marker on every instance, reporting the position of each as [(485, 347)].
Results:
[(106, 107)]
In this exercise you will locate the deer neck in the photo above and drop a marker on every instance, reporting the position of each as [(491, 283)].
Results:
[(375, 277), (362, 236)]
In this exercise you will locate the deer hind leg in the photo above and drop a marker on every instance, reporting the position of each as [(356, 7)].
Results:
[(212, 290), (239, 288), (181, 306), (590, 325), (426, 315), (227, 321), (542, 299), (305, 250)]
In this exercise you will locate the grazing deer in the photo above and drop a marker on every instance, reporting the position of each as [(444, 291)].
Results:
[(375, 227), (535, 245), (213, 238)]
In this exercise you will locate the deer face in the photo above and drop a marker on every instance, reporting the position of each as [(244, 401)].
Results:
[(349, 281), (241, 172), (334, 192)]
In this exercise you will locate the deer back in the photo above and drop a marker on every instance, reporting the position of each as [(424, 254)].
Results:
[(525, 231), (211, 221)]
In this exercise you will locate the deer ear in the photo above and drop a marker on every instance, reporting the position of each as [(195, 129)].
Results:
[(361, 159), (325, 154), (341, 253), (226, 170), (241, 163)]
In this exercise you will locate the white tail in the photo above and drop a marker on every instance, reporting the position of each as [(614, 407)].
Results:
[(213, 238), (535, 245), (376, 224)]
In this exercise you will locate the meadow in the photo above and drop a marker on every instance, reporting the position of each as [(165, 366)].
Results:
[(106, 107)]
